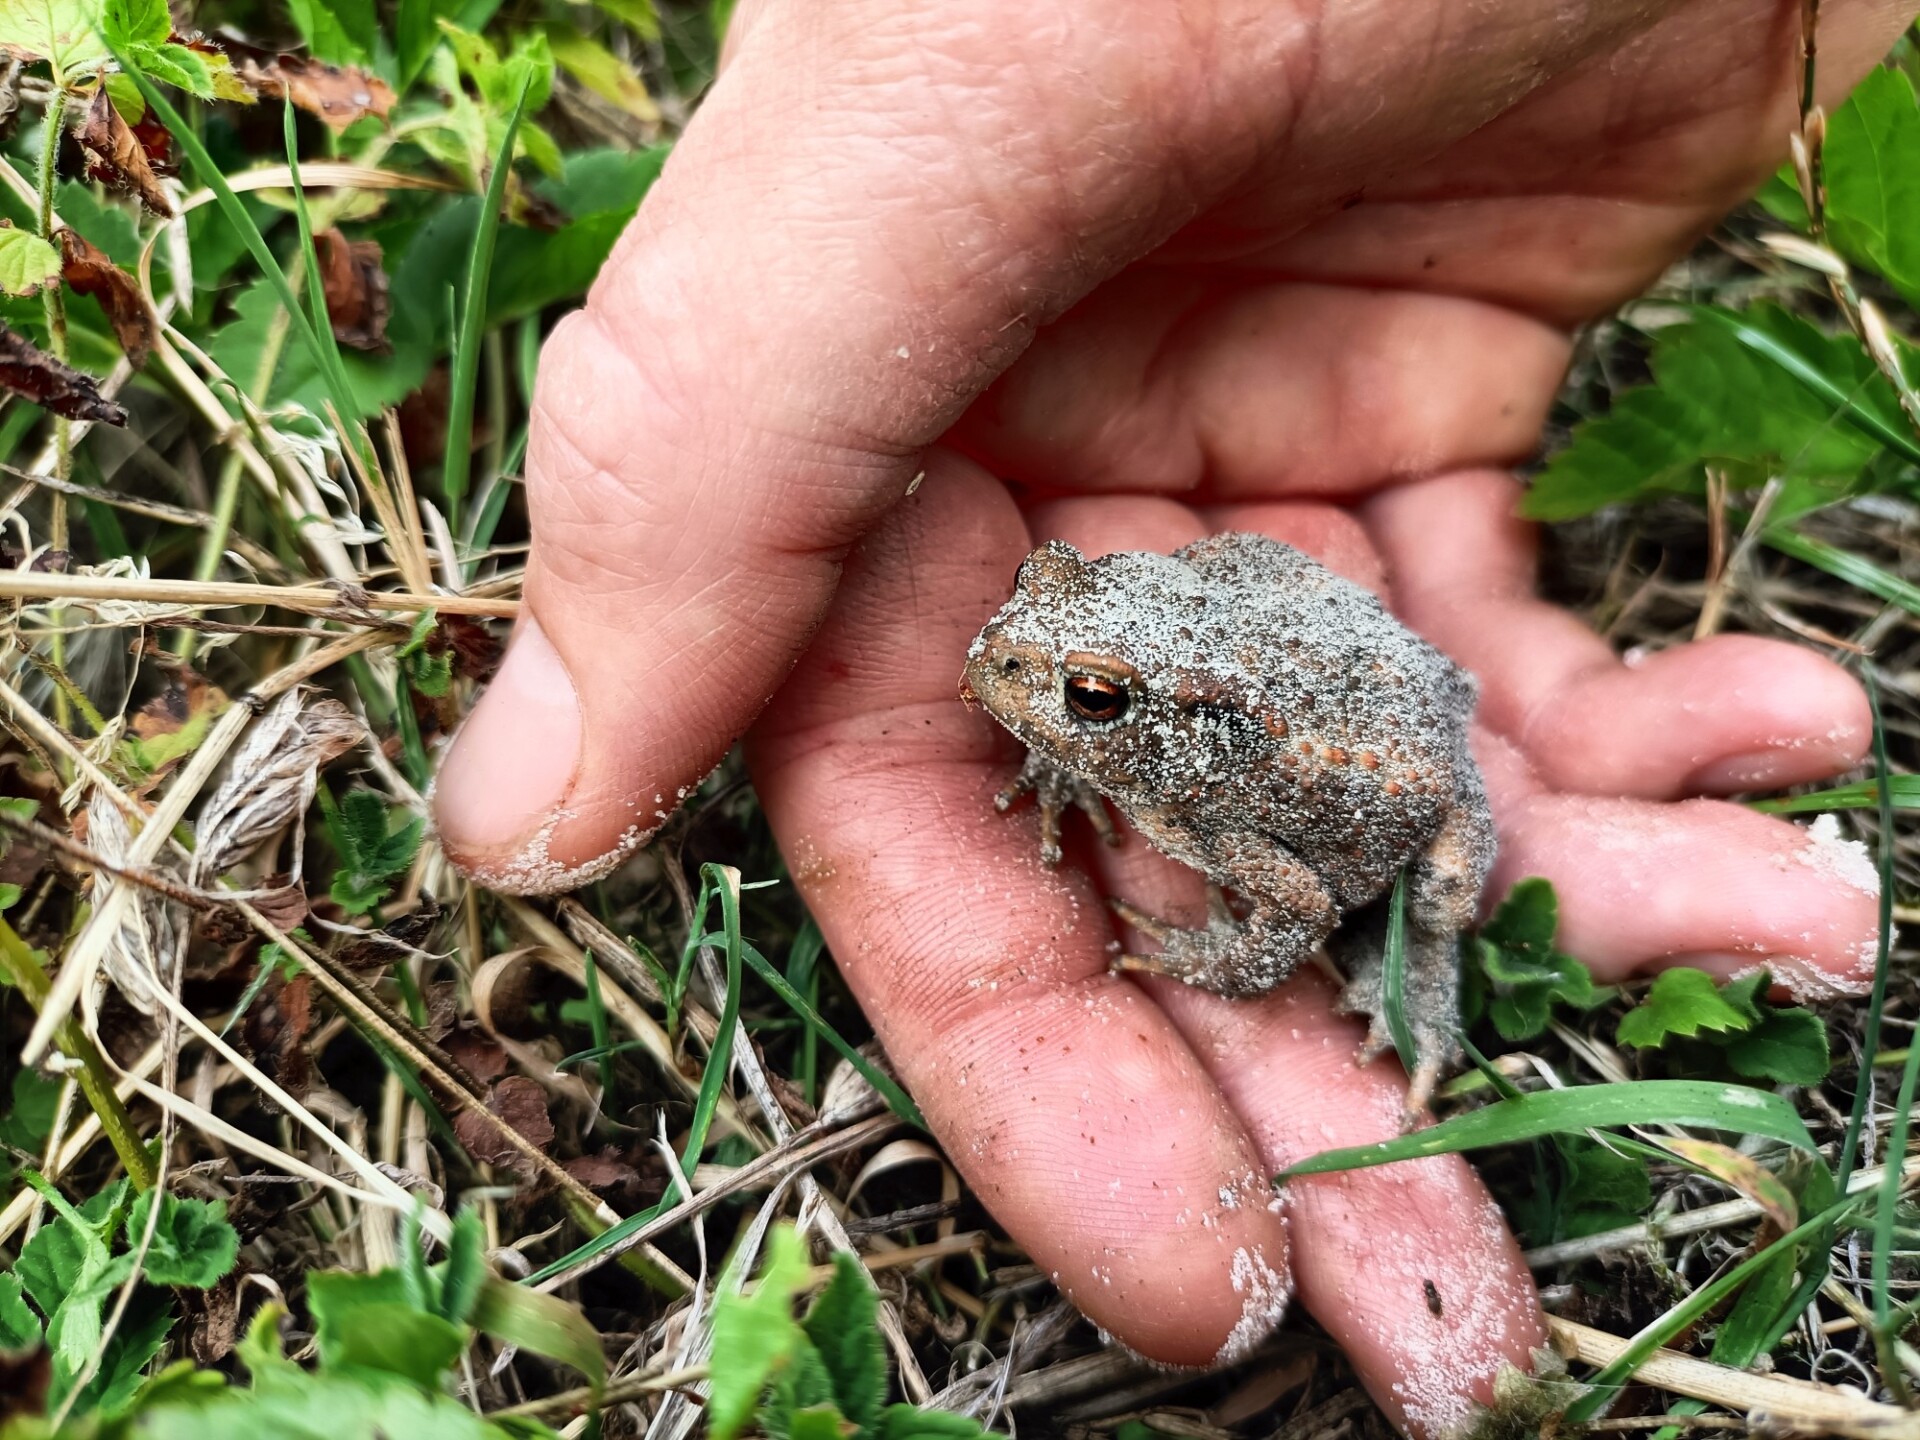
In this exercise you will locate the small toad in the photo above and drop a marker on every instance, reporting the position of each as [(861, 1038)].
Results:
[(1268, 723)]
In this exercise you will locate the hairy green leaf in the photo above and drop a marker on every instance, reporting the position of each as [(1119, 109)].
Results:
[(193, 1245), (19, 1328), (757, 1334), (842, 1327), (136, 22)]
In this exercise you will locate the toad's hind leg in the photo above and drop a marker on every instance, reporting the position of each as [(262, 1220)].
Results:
[(1292, 915), (1443, 896)]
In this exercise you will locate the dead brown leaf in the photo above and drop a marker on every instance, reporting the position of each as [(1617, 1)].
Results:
[(214, 1319), (604, 1173), (479, 1054), (522, 1104), (356, 289), (188, 695), (338, 94), (89, 272), (124, 159), (276, 1031), (32, 373)]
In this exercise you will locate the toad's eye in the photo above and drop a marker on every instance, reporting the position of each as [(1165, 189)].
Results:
[(1011, 665), (1097, 698)]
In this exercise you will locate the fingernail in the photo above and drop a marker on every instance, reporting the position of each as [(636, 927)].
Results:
[(1755, 770), (513, 761)]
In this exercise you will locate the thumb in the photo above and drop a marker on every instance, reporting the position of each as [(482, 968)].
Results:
[(865, 223)]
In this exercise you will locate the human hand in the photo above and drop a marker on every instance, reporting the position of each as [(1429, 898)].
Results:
[(870, 218)]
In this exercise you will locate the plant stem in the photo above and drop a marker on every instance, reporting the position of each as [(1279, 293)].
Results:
[(22, 969), (55, 301)]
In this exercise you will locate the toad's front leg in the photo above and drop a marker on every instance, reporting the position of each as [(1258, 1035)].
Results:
[(1053, 790), (1292, 915)]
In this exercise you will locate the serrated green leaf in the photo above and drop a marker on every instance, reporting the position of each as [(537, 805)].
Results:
[(799, 1384), (1603, 1187), (1740, 1109), (909, 1422), (175, 65), (302, 1405), (756, 1332), (136, 1340), (544, 1324), (1788, 1046), (19, 1327), (51, 1262), (27, 263), (1683, 1002), (193, 1245), (1719, 400), (841, 1324), (136, 22), (64, 33)]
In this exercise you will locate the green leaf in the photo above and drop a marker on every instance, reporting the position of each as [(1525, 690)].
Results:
[(1758, 394), (106, 224), (365, 1321), (544, 1324), (29, 1120), (1737, 1108), (19, 1328), (909, 1422), (193, 1245), (136, 22), (841, 1324), (301, 1405), (26, 261), (1787, 1046), (138, 1338), (62, 32), (372, 853), (1603, 1188), (756, 1332), (819, 1422), (51, 1263), (1683, 1001), (1522, 974), (342, 32), (1871, 166), (800, 1384), (175, 65)]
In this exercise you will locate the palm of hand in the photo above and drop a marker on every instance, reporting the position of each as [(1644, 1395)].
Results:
[(1340, 378)]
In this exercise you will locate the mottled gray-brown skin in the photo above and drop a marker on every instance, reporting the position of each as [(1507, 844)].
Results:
[(1268, 723)]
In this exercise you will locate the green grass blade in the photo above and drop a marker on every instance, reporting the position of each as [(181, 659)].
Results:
[(897, 1099), (1856, 570), (473, 322), (1393, 982), (210, 175), (1876, 1006), (602, 1032), (1903, 791), (317, 312), (1737, 1108), (1896, 1153), (1849, 408)]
